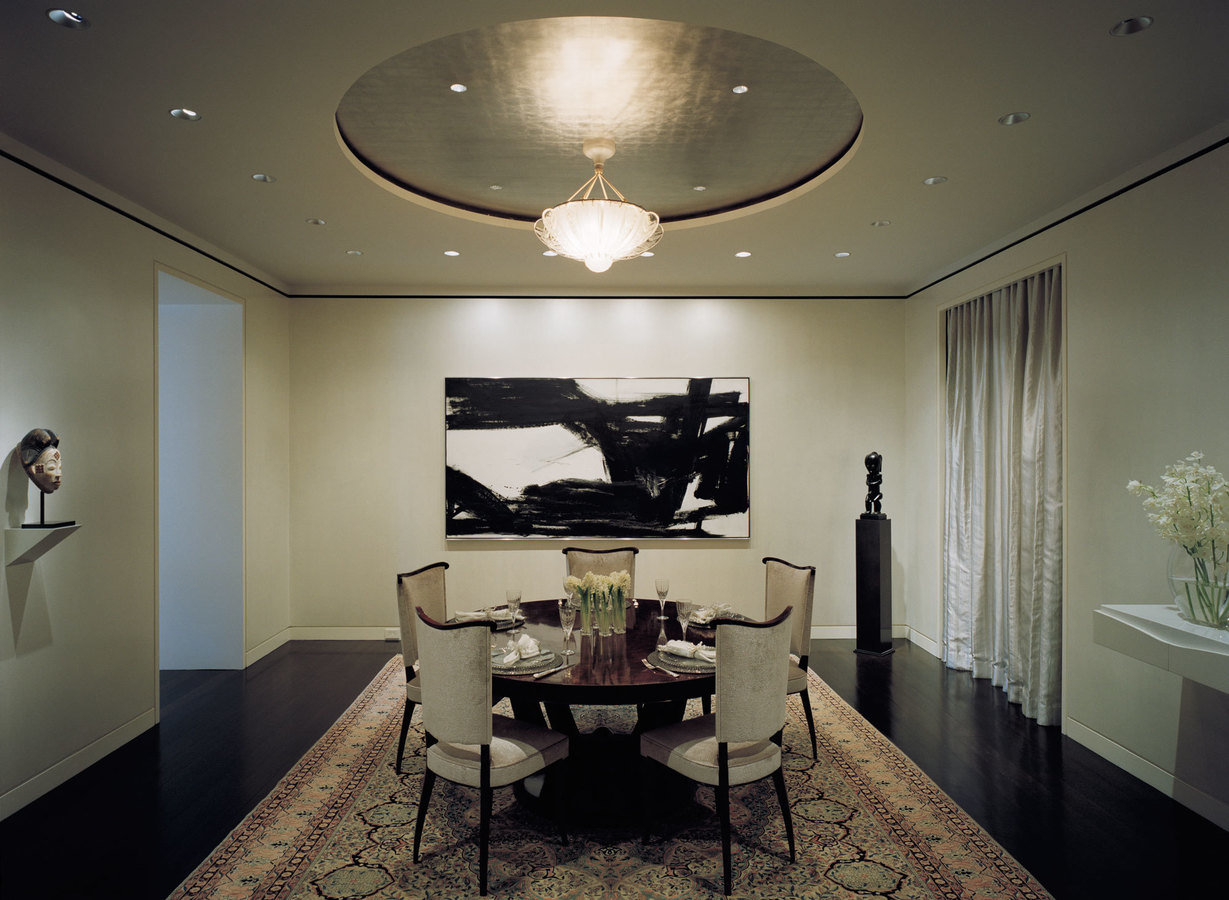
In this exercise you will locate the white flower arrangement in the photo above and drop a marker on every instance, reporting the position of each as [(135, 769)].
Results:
[(600, 596), (1190, 507)]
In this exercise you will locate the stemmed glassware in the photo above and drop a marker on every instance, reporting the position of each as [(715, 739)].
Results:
[(663, 588), (567, 621), (685, 609), (514, 607)]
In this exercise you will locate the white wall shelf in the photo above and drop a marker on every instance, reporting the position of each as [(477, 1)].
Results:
[(24, 545), (1157, 635)]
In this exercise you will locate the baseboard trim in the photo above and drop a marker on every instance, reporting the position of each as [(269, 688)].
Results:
[(337, 632), (1211, 808), (74, 764), (839, 632), (265, 647)]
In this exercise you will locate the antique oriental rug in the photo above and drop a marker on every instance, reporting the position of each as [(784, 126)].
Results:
[(868, 823)]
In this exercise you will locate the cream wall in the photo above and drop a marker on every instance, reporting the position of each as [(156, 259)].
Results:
[(367, 412), (1147, 278), (78, 628)]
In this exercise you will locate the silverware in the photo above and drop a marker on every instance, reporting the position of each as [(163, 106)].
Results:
[(649, 665), (538, 675)]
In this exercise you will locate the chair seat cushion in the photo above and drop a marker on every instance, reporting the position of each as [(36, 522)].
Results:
[(413, 689), (518, 749), (689, 747), (797, 682)]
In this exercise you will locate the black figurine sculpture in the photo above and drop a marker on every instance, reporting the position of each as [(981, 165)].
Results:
[(873, 543), (874, 480)]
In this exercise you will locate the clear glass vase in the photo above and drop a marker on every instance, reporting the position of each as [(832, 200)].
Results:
[(1200, 590), (605, 611), (585, 599), (619, 613)]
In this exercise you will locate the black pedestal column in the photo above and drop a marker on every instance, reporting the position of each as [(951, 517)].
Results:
[(874, 572)]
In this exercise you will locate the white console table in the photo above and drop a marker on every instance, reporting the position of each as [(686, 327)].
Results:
[(1157, 635)]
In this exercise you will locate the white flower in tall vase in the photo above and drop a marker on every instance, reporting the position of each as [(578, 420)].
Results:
[(1190, 507)]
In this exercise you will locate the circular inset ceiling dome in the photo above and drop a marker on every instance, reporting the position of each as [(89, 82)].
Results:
[(508, 143)]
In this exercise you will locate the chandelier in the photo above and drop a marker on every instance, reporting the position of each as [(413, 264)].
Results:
[(598, 230)]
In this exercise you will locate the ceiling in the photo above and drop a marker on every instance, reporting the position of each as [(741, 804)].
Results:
[(917, 87)]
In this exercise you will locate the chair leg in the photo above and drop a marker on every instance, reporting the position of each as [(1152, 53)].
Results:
[(428, 782), (405, 729), (647, 780), (806, 708), (558, 777), (778, 779), (484, 818), (723, 810), (706, 704)]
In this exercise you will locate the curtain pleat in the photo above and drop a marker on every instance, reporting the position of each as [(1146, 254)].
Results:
[(1002, 541)]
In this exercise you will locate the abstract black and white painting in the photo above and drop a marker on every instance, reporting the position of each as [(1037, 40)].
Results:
[(597, 457)]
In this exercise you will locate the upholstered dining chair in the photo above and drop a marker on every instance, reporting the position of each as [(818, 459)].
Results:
[(467, 743), (423, 587), (741, 741), (602, 562), (786, 584)]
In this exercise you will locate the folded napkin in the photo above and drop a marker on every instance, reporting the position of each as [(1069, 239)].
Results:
[(523, 647), (494, 615), (694, 651), (706, 614)]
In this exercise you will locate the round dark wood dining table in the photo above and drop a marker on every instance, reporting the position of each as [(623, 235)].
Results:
[(604, 670)]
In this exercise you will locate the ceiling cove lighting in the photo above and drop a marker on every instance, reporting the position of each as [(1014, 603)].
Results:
[(598, 230)]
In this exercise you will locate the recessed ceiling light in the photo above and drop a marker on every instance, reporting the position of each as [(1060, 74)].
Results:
[(1131, 26), (68, 18), (354, 253), (699, 187), (497, 187), (188, 115), (881, 223), (743, 254), (739, 89), (452, 252), (549, 253), (646, 254), (458, 88), (842, 254), (314, 221), (934, 179), (1014, 118), (263, 178)]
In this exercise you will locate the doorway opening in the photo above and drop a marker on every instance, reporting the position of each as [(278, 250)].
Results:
[(200, 477)]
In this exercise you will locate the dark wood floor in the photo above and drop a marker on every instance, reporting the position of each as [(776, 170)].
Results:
[(136, 823)]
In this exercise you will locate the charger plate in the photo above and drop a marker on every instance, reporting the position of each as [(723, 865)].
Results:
[(684, 665), (539, 663)]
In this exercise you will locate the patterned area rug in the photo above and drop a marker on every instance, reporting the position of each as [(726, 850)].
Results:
[(868, 822)]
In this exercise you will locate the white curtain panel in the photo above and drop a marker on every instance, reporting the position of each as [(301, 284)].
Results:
[(1003, 530)]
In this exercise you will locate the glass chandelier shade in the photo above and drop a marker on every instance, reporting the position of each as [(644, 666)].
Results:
[(598, 230)]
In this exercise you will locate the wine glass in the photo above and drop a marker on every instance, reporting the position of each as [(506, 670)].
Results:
[(663, 588), (567, 621), (514, 607), (685, 609)]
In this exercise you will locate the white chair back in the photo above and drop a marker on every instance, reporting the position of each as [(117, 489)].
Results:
[(786, 584), (456, 680), (752, 671), (423, 587), (602, 562)]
